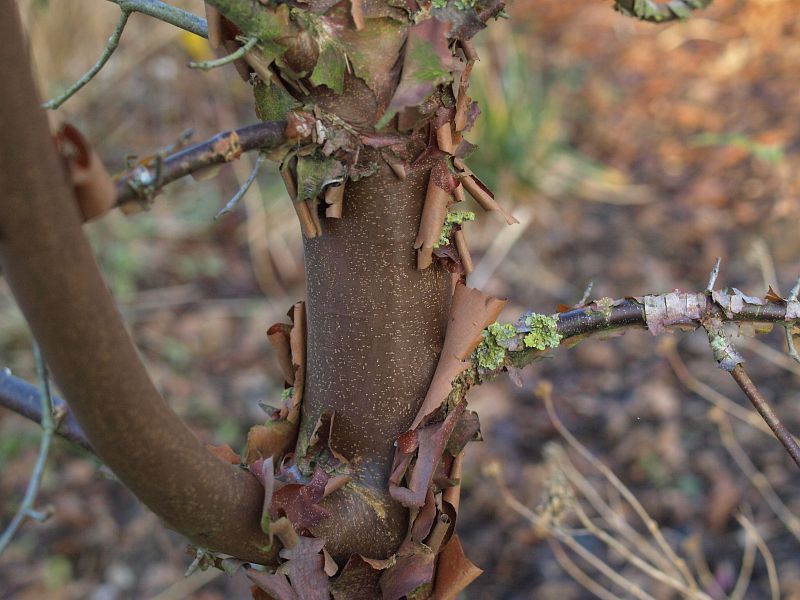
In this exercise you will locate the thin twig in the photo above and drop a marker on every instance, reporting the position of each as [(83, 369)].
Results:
[(111, 45), (207, 65), (140, 182), (585, 296), (165, 12), (652, 526), (765, 410), (626, 553), (746, 570), (614, 518), (772, 572), (788, 326), (708, 393), (574, 571), (26, 509), (712, 278), (231, 205)]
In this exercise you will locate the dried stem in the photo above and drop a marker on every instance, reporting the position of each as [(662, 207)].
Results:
[(26, 509), (723, 403), (765, 410), (625, 552), (111, 45), (650, 524), (772, 572), (574, 571), (746, 570)]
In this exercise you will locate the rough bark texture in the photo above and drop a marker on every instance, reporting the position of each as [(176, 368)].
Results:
[(52, 272), (375, 331)]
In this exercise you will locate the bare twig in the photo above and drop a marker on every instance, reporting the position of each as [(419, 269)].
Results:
[(788, 327), (111, 45), (24, 399), (724, 404), (153, 8), (765, 410), (165, 12), (772, 572), (225, 60), (586, 293), (746, 570), (26, 509), (143, 181), (574, 571), (712, 278), (650, 524), (242, 190)]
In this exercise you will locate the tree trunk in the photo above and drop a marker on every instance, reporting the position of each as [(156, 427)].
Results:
[(375, 328)]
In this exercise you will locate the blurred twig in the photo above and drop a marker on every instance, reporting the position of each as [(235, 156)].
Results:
[(111, 45), (26, 509), (724, 404), (153, 8), (772, 572), (167, 13)]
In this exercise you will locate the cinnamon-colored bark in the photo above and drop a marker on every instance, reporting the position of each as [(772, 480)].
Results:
[(375, 330), (51, 270)]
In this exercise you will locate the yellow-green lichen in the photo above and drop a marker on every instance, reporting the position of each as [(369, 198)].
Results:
[(542, 331), (452, 219), (491, 352)]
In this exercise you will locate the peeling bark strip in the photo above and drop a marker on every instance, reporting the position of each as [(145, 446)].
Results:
[(675, 310)]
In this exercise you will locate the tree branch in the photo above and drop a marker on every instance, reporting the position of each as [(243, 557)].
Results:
[(53, 275), (765, 410), (23, 398), (154, 8), (111, 45), (144, 180), (167, 13)]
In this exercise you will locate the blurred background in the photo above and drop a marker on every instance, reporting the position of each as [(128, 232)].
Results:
[(633, 155)]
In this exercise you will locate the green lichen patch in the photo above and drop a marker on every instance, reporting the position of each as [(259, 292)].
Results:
[(542, 331), (272, 102), (491, 352), (314, 172), (329, 70), (452, 219)]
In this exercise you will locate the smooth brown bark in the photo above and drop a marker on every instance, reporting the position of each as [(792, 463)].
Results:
[(375, 330), (54, 277)]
